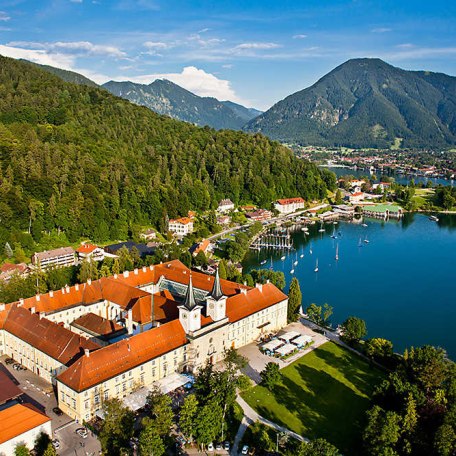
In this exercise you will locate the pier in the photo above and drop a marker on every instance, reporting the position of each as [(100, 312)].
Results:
[(273, 241)]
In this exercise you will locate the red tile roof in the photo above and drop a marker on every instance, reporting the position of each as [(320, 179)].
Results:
[(290, 200), (86, 248), (8, 388), (122, 356), (19, 418), (97, 325), (46, 336)]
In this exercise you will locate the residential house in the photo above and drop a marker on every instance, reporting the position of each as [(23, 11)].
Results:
[(289, 205), (181, 227), (63, 256), (225, 205)]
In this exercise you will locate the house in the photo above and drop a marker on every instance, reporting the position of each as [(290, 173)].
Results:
[(382, 186), (90, 252), (57, 257), (344, 210), (181, 227), (204, 246), (225, 205), (148, 235), (356, 197), (176, 321), (259, 215), (7, 270), (288, 205), (223, 219)]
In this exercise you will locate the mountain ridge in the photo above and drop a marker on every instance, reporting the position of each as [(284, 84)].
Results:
[(366, 103)]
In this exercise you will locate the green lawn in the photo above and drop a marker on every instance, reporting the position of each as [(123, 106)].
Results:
[(323, 394)]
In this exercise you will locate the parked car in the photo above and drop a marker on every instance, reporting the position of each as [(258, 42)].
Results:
[(245, 449), (55, 443), (210, 447), (9, 361), (218, 447), (226, 446), (16, 366), (57, 411), (82, 432)]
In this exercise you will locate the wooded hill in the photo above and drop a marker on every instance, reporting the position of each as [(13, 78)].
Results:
[(79, 159)]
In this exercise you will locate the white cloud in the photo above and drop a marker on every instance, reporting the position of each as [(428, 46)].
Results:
[(73, 47), (75, 1), (156, 45), (38, 56), (420, 53), (4, 16), (196, 38), (381, 30), (258, 46), (299, 37), (195, 80), (228, 66)]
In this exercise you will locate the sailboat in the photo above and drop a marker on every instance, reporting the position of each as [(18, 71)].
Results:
[(334, 233), (316, 266), (292, 271), (263, 262), (310, 249), (302, 255), (283, 257), (270, 267), (296, 261), (364, 224), (337, 252), (360, 244), (321, 230), (366, 241)]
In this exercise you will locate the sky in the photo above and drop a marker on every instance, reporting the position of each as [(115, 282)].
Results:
[(253, 52)]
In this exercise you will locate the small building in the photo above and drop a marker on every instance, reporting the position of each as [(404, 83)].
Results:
[(7, 270), (356, 197), (181, 227), (63, 256), (90, 252), (223, 219), (383, 211), (382, 186), (21, 424), (259, 215), (225, 205), (97, 328), (344, 210), (148, 235), (288, 205), (204, 246)]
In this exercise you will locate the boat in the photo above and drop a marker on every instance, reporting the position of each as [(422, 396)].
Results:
[(321, 230), (433, 218), (310, 249), (335, 223), (292, 271), (364, 224), (366, 241), (296, 261), (316, 266), (263, 262), (334, 234), (301, 256), (283, 257), (337, 252)]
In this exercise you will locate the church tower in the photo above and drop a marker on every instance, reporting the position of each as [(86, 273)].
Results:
[(216, 301), (190, 311)]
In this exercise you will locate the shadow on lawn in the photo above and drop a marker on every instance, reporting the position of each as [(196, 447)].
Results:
[(324, 406)]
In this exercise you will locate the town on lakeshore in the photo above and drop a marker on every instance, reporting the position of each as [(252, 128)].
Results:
[(227, 228)]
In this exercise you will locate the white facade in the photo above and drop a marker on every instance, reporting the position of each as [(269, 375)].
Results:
[(287, 206), (181, 227)]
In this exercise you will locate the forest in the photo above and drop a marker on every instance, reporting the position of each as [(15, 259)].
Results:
[(77, 162)]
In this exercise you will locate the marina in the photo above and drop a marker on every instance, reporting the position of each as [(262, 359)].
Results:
[(400, 281)]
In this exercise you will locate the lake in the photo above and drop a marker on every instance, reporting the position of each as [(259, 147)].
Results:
[(403, 282), (399, 178)]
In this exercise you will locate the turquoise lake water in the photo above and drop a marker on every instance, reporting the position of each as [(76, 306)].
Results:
[(403, 282)]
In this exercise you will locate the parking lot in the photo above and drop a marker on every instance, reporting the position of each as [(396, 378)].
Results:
[(41, 395)]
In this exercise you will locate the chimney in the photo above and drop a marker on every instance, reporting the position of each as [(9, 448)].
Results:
[(184, 272), (32, 310), (267, 281), (126, 274), (144, 269), (244, 291), (158, 324), (260, 287), (136, 271), (130, 321), (51, 293), (42, 315), (86, 352), (151, 267), (63, 290), (67, 289), (2, 307), (89, 282), (115, 276), (76, 287), (21, 302), (37, 297)]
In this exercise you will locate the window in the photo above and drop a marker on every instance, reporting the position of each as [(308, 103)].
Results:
[(106, 395), (124, 386), (86, 404), (97, 399)]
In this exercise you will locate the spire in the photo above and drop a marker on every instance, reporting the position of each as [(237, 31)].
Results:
[(216, 292), (189, 301)]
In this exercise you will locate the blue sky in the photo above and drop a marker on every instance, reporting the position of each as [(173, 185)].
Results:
[(248, 51)]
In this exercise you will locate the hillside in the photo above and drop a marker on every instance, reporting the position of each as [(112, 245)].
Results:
[(68, 76), (165, 97), (367, 103), (76, 158)]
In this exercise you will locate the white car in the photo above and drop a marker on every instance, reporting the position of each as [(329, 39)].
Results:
[(245, 449), (55, 444), (82, 432), (210, 447)]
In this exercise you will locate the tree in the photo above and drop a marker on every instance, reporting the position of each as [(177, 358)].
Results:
[(271, 375), (317, 447), (21, 450), (117, 428), (150, 442), (327, 312), (200, 259), (161, 410), (187, 416), (208, 422), (294, 300), (222, 269), (382, 432), (353, 329), (379, 348), (445, 440), (42, 443), (50, 450), (314, 313), (338, 197), (8, 250)]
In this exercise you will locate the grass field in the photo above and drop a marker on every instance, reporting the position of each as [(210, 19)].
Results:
[(323, 394)]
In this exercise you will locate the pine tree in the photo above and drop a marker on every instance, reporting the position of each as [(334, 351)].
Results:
[(294, 300), (8, 250)]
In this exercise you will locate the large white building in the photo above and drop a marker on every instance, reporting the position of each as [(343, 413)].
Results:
[(63, 256), (289, 205), (174, 321), (181, 227)]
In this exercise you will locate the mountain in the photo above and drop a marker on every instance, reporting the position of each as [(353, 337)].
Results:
[(244, 113), (68, 76), (165, 97), (76, 161), (367, 103)]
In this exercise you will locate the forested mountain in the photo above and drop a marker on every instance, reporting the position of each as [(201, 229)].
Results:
[(78, 159), (68, 76), (367, 103), (165, 97)]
